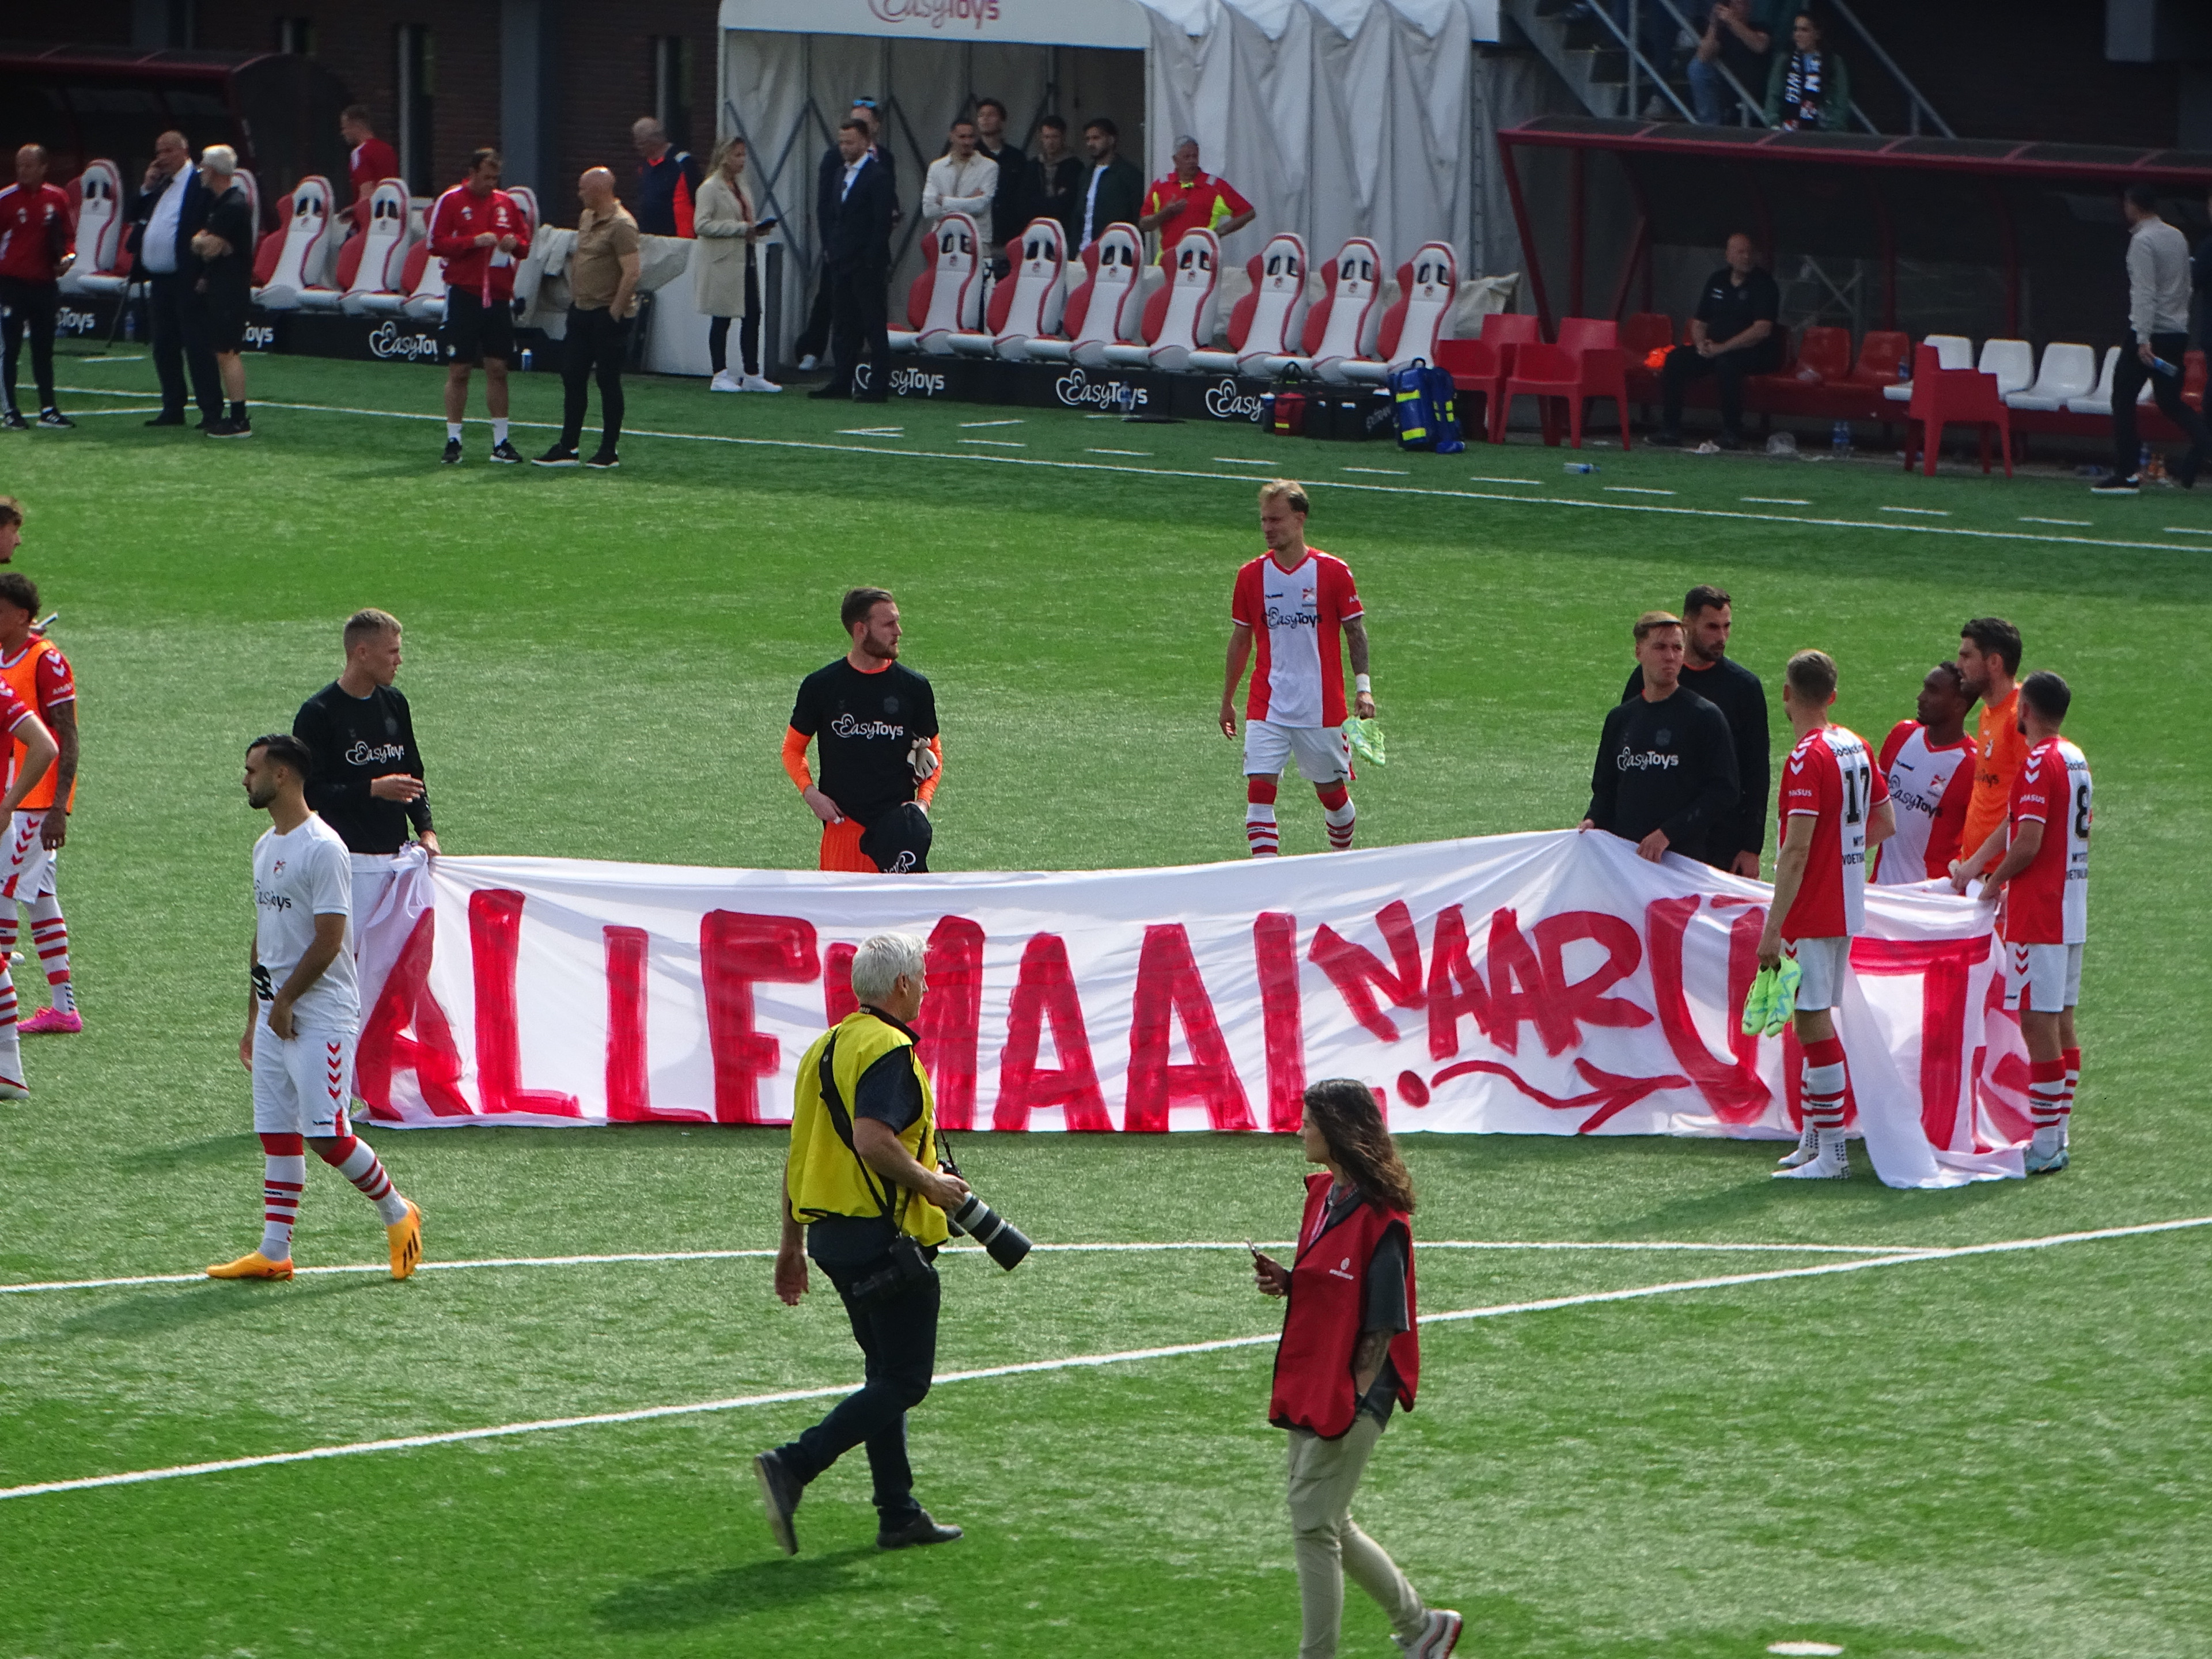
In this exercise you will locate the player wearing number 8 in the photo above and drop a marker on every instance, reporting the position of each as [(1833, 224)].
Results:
[(2044, 878), (1835, 811)]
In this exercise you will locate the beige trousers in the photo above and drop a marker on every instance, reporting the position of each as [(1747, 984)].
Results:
[(1324, 1473)]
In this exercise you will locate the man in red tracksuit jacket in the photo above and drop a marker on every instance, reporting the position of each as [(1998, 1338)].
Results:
[(35, 229), (482, 234)]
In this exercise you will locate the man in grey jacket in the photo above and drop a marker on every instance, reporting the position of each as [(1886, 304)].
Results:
[(2158, 338)]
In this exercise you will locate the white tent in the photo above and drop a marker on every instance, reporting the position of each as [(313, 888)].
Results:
[(1335, 117)]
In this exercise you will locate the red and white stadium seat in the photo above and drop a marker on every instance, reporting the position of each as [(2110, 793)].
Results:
[(96, 199), (947, 298), (1344, 326), (1428, 288), (1182, 316), (1030, 303), (373, 264), (286, 278), (1266, 328), (1107, 307)]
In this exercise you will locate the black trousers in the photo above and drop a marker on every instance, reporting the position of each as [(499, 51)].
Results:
[(859, 324), (2128, 377), (1683, 365), (814, 339), (718, 331), (595, 344), (899, 1339), (178, 346), (31, 307)]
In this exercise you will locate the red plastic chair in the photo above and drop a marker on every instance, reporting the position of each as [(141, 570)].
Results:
[(1505, 328), (1881, 354), (1595, 343), (1478, 369), (1571, 374), (1645, 332), (1826, 352), (1944, 396)]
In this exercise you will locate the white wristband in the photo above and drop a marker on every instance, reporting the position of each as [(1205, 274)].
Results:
[(1362, 683)]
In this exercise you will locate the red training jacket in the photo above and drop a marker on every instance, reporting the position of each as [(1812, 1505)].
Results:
[(459, 217), (34, 232), (1329, 1278)]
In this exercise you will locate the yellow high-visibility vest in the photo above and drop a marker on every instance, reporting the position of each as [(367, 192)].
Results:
[(823, 1176)]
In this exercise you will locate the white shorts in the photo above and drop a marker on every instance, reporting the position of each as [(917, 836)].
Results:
[(2050, 975), (301, 1087), (1323, 752), (30, 872), (1824, 962)]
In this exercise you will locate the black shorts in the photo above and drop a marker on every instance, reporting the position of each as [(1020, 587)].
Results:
[(226, 328), (474, 330)]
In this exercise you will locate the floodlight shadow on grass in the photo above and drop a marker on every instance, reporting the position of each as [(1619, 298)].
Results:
[(688, 1601)]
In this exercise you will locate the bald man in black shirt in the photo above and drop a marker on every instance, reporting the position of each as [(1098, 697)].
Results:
[(1666, 765)]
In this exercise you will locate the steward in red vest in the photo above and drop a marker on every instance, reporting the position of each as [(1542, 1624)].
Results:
[(1314, 1387)]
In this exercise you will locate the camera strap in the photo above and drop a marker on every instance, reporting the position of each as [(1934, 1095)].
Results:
[(840, 1119)]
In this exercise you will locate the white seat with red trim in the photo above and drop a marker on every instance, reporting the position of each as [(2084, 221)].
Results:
[(1266, 324), (1107, 308), (1428, 287), (373, 265), (96, 198), (1033, 299), (287, 280), (424, 280), (1343, 326), (947, 297), (1180, 316)]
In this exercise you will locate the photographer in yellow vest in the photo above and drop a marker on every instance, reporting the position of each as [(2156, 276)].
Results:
[(861, 1183)]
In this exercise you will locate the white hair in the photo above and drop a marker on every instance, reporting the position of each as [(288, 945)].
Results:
[(1186, 139), (220, 158), (880, 962)]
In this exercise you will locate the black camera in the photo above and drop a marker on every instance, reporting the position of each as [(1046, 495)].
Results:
[(1006, 1243)]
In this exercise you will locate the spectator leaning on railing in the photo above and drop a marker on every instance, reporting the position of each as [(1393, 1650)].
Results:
[(1737, 39), (1810, 87)]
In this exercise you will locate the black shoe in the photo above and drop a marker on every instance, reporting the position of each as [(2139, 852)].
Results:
[(452, 455), (1666, 437), (2113, 484), (12, 420), (559, 455), (505, 454), (834, 389), (2182, 470), (54, 421), (166, 419), (605, 460), (208, 423), (780, 1495), (881, 394), (240, 428), (216, 429), (1731, 440), (919, 1530)]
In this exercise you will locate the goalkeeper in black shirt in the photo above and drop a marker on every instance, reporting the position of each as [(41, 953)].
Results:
[(875, 720), (1738, 836), (1666, 765)]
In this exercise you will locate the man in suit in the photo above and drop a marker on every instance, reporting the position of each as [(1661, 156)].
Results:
[(813, 342), (173, 206), (856, 236)]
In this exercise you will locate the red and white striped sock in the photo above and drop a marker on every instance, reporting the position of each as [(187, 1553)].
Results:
[(2071, 1060), (1337, 813), (283, 1179), (2046, 1095), (11, 1047), (357, 1161), (50, 934), (1825, 1081), (1261, 833)]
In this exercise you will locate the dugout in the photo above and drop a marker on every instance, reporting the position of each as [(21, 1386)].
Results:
[(1334, 117), (1981, 237)]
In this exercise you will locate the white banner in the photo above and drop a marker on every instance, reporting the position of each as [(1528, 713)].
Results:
[(1551, 983), (1039, 22)]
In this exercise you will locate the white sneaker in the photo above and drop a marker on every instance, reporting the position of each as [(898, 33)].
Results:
[(809, 363), (1831, 1162), (724, 380), (1808, 1147), (1439, 1635), (757, 383)]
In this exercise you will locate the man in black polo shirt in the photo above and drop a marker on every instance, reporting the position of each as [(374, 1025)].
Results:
[(1666, 766), (875, 720), (1732, 335), (1739, 836)]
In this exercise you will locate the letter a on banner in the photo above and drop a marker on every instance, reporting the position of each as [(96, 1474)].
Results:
[(1045, 996), (1169, 988)]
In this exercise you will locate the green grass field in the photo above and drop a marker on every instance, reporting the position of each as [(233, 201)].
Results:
[(1997, 1455)]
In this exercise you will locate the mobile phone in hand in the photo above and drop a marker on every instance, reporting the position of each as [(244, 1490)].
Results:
[(760, 225)]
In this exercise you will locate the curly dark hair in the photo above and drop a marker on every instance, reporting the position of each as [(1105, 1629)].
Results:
[(1344, 1110)]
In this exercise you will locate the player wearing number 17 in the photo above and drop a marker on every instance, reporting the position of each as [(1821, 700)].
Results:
[(2045, 878), (1297, 601), (1835, 811)]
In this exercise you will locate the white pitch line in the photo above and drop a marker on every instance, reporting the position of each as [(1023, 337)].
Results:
[(2176, 530), (1919, 512), (843, 431), (2077, 524), (1635, 490), (1118, 451), (996, 443), (1530, 483), (974, 423), (1783, 501), (110, 390), (1140, 1247), (1129, 1356), (1585, 502), (1380, 472)]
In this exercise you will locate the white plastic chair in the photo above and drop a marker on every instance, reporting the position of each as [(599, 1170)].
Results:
[(1952, 351), (2098, 400), (2012, 362), (2068, 371)]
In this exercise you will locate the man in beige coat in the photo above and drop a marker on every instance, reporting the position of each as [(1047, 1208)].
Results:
[(725, 273)]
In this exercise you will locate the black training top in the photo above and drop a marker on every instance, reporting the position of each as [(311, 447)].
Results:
[(1667, 765), (865, 725), (1736, 691), (1727, 307), (352, 740)]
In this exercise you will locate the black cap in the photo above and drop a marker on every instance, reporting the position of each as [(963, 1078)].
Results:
[(899, 840)]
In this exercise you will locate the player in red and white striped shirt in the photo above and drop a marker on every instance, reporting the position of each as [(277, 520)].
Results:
[(1929, 764), (2044, 878), (1301, 607), (1834, 809)]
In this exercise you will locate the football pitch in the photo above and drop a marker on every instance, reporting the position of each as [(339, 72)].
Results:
[(1668, 1408)]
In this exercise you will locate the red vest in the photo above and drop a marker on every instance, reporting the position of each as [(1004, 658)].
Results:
[(1313, 1362)]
